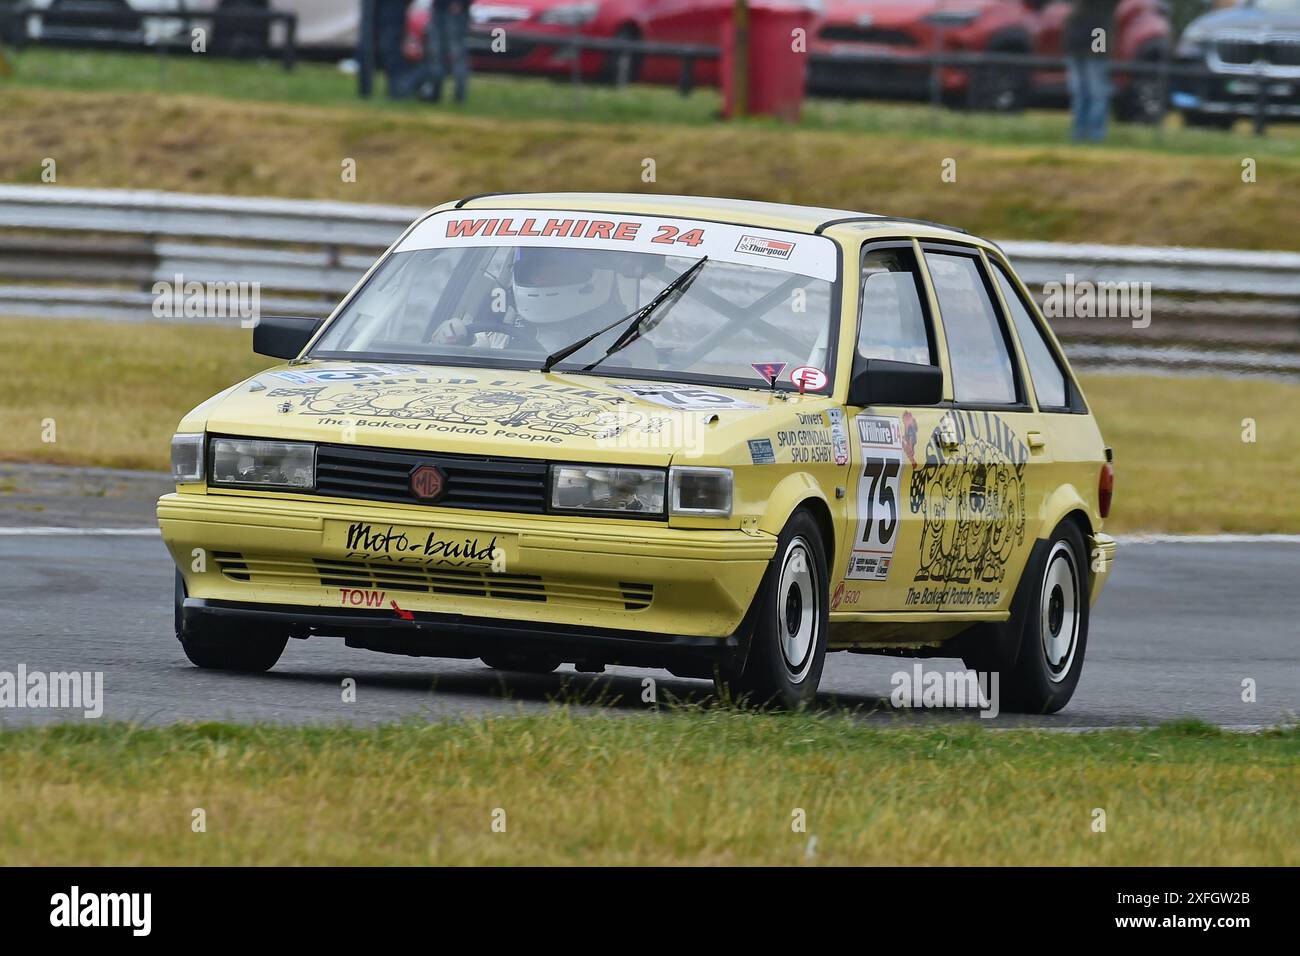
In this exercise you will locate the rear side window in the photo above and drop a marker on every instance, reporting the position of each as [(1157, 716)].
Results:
[(1049, 380), (891, 319), (977, 346)]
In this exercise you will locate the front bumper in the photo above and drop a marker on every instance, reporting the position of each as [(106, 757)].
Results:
[(1238, 94), (554, 574)]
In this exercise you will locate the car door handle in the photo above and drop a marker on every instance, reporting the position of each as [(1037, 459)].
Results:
[(1036, 441)]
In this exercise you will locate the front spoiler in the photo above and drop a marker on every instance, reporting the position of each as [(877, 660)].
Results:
[(429, 634)]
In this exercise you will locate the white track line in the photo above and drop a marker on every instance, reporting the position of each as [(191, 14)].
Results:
[(79, 532), (1209, 539)]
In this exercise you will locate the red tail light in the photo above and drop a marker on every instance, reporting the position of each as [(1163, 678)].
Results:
[(1105, 488)]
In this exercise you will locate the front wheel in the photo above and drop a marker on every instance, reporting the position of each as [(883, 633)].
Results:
[(788, 647), (244, 650)]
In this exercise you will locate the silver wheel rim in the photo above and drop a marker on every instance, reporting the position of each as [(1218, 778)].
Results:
[(797, 608), (1059, 611)]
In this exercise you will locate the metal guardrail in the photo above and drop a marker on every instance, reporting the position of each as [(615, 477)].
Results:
[(96, 253)]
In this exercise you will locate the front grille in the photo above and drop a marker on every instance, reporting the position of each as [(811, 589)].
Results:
[(846, 33), (1238, 50), (489, 484), (1284, 51), (459, 582)]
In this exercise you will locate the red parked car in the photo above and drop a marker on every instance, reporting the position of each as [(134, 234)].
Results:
[(665, 21), (906, 29)]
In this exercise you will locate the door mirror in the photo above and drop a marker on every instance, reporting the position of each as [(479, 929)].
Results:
[(282, 336), (884, 382)]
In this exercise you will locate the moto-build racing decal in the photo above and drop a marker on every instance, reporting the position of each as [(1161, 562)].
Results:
[(541, 412), (973, 500), (879, 497)]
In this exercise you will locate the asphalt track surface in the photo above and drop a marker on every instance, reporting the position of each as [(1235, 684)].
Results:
[(1179, 628)]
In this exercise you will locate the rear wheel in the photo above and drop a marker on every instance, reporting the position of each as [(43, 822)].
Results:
[(1208, 120), (249, 650), (1038, 653), (998, 88), (788, 647), (622, 68), (1144, 99)]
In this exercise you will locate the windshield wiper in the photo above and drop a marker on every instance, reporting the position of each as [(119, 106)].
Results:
[(633, 331)]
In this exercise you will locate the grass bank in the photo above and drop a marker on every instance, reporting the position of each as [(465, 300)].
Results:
[(710, 787), (124, 120)]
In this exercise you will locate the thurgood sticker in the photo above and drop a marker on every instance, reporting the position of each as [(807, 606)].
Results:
[(684, 397), (760, 246), (881, 454)]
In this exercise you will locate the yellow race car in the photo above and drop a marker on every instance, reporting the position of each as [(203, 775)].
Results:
[(714, 436)]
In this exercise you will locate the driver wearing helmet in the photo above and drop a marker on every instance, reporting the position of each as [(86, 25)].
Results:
[(558, 296)]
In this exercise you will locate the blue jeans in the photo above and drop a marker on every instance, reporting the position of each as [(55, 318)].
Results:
[(1089, 80), (446, 48)]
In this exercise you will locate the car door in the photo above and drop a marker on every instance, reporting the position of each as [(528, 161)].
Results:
[(980, 491), (887, 443)]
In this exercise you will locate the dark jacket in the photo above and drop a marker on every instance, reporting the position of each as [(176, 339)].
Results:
[(1087, 16)]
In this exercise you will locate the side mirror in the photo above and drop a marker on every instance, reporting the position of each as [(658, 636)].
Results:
[(884, 382), (282, 336)]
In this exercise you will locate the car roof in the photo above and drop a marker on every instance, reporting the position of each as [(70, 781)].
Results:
[(748, 212)]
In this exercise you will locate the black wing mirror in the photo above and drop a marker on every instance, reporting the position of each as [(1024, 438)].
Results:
[(885, 382), (282, 336)]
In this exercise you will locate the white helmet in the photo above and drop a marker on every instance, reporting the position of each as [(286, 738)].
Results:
[(555, 285)]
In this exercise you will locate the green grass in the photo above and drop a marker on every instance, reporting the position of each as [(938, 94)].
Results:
[(522, 97), (701, 787), (251, 129), (116, 392)]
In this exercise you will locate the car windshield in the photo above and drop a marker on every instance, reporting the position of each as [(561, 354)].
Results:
[(507, 289)]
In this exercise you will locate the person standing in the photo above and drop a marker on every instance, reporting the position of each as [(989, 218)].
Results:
[(1089, 30), (446, 46), (379, 44)]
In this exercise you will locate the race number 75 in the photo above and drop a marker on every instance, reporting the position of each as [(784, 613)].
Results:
[(879, 486)]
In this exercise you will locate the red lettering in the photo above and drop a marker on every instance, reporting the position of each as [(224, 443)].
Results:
[(557, 227), (599, 229), (464, 227), (505, 230), (627, 230), (529, 228)]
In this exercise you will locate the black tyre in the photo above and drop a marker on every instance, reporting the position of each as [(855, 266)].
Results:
[(998, 88), (623, 68), (243, 649), (1039, 651), (1145, 98), (521, 662), (788, 647), (1208, 120), (242, 37)]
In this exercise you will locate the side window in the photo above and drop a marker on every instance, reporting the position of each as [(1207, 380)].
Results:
[(1049, 380), (891, 320), (977, 346)]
